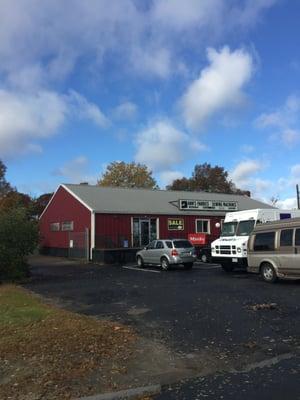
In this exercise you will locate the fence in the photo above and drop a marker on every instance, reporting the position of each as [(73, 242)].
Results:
[(79, 245)]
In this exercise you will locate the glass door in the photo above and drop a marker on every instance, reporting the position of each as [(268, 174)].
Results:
[(144, 232)]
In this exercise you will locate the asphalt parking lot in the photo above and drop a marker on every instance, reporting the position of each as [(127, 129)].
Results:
[(232, 333)]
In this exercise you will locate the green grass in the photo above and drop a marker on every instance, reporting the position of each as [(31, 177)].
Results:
[(20, 308)]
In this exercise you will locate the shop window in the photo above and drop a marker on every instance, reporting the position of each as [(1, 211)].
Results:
[(264, 241), (67, 226), (54, 226), (202, 226)]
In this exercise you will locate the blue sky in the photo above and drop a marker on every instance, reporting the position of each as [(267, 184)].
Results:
[(168, 83)]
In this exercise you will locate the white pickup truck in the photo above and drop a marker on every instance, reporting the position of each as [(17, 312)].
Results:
[(230, 250)]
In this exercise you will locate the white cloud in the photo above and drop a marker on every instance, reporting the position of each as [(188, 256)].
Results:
[(56, 35), (26, 118), (247, 148), (86, 110), (126, 110), (244, 170), (245, 176), (285, 120), (289, 203), (167, 177), (76, 171), (161, 146), (29, 117), (219, 85)]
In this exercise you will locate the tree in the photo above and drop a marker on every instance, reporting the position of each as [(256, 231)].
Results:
[(4, 185), (40, 203), (14, 199), (208, 179), (18, 238), (128, 175)]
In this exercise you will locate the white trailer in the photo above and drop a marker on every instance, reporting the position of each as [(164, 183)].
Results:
[(230, 250)]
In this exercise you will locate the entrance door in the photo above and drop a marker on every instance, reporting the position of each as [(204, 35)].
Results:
[(144, 232)]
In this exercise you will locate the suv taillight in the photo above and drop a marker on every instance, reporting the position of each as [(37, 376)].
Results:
[(174, 252)]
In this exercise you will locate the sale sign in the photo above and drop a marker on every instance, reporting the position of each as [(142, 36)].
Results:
[(197, 238)]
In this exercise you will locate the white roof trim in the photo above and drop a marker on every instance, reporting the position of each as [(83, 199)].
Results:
[(77, 198), (70, 192)]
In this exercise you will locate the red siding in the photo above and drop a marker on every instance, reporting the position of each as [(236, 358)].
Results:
[(63, 207), (119, 225)]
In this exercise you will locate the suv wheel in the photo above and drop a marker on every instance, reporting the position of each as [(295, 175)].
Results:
[(268, 273), (164, 264), (140, 261), (203, 258), (188, 265)]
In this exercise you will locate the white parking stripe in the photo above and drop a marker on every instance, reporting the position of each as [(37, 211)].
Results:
[(142, 269), (211, 267)]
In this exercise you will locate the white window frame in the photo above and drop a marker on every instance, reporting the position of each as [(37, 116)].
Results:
[(208, 225), (68, 229), (54, 224)]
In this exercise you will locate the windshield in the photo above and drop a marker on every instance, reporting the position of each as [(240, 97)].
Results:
[(245, 228), (229, 228)]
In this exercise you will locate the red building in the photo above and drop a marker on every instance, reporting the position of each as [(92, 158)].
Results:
[(109, 224)]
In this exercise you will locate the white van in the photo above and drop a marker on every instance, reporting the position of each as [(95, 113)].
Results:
[(274, 250), (230, 250)]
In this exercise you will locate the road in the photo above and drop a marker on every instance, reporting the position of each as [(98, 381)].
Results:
[(213, 335)]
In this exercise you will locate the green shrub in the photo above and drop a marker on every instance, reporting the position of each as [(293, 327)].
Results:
[(18, 238)]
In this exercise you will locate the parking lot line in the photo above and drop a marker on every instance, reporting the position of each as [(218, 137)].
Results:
[(207, 267), (141, 269)]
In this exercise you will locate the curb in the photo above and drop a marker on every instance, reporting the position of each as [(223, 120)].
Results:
[(125, 394)]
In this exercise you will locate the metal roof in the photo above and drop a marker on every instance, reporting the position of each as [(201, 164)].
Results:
[(144, 201)]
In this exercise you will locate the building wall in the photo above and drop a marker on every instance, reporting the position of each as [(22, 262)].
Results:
[(63, 207), (115, 228)]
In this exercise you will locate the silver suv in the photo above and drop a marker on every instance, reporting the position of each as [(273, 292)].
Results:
[(166, 252)]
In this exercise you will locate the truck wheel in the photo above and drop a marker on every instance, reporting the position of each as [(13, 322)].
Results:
[(227, 267), (268, 273)]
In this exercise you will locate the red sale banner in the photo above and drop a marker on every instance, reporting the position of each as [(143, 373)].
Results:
[(197, 238)]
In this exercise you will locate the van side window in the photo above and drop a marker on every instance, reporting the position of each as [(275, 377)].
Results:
[(264, 241), (286, 237), (297, 237)]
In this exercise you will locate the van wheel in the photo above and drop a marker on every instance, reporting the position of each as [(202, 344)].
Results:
[(227, 267), (268, 273), (164, 264), (140, 261), (188, 265)]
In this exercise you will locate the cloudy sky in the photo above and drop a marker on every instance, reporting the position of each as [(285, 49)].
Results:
[(168, 83)]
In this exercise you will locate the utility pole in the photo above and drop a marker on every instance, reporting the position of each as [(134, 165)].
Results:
[(298, 196)]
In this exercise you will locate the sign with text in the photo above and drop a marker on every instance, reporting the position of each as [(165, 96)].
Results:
[(197, 238), (175, 224), (202, 205)]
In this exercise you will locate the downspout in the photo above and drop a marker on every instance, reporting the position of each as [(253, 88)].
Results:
[(92, 234)]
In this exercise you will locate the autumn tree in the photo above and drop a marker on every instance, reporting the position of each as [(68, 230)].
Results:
[(208, 179), (40, 203), (4, 185), (128, 175)]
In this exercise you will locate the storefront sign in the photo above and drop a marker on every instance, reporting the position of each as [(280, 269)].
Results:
[(197, 238), (175, 224), (202, 205)]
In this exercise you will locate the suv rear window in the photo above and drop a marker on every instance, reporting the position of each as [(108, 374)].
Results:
[(182, 244), (169, 245)]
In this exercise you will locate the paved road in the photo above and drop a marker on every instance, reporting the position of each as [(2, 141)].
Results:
[(203, 312)]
